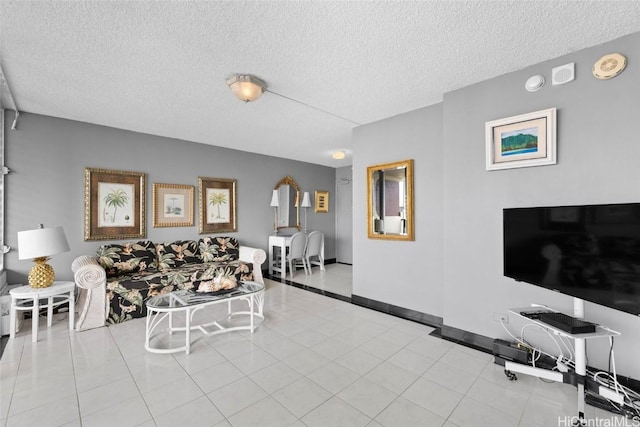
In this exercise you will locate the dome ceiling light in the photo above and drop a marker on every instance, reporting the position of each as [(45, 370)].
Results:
[(338, 155), (246, 87)]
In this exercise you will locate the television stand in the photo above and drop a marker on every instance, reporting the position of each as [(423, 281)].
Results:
[(579, 339)]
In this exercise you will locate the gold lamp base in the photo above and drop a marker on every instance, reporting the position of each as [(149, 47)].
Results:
[(41, 275)]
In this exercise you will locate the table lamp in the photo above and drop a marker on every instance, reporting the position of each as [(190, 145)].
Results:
[(274, 204), (306, 203), (39, 245)]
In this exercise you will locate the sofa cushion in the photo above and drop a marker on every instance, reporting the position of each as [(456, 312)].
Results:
[(127, 258), (214, 249), (175, 254)]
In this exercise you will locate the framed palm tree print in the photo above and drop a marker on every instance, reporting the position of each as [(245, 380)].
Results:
[(114, 204), (217, 205), (172, 205)]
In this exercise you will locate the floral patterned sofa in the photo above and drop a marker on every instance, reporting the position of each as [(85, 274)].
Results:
[(115, 284)]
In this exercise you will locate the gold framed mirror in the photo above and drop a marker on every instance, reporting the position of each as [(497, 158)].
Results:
[(390, 201), (289, 198)]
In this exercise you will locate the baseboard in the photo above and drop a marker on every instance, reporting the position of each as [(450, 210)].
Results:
[(308, 288), (632, 383), (466, 338), (265, 271), (3, 343), (394, 310)]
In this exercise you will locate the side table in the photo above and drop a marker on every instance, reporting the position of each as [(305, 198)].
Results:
[(26, 298), (278, 242)]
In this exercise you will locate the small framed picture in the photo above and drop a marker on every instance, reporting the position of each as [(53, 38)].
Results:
[(521, 141), (114, 204), (322, 201), (217, 205), (172, 205)]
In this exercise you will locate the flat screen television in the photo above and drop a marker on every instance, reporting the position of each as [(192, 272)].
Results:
[(590, 252)]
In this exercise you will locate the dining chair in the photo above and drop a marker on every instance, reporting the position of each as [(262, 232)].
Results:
[(315, 243), (295, 257)]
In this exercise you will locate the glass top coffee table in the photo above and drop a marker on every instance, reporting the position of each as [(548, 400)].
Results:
[(165, 306)]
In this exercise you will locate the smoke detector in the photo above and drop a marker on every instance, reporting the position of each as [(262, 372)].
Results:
[(534, 83)]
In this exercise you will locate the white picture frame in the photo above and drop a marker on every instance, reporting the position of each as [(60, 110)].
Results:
[(521, 141)]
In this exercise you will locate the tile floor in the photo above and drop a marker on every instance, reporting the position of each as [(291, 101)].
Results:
[(314, 361), (336, 278)]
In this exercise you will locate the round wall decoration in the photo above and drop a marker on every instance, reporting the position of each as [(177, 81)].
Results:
[(609, 66)]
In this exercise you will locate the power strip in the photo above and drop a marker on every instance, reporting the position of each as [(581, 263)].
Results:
[(610, 394), (510, 351)]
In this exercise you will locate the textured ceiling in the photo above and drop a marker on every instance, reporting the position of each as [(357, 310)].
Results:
[(160, 67)]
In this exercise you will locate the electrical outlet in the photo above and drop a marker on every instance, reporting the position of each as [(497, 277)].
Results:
[(500, 317)]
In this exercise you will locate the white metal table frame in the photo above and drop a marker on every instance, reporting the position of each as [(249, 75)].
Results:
[(26, 298), (580, 351), (281, 242), (177, 303)]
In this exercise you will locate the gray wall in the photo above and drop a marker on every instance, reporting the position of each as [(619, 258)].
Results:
[(598, 154), (344, 215), (47, 157), (454, 268), (406, 274)]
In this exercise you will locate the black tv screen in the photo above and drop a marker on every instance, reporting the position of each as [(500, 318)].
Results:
[(590, 252)]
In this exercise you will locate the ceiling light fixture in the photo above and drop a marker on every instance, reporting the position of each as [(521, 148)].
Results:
[(246, 87), (338, 155)]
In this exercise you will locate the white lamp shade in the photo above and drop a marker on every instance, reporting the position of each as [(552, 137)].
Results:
[(41, 242), (274, 199), (306, 200)]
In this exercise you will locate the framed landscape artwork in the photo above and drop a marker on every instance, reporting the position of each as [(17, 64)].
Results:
[(172, 205), (521, 141), (217, 205), (114, 204)]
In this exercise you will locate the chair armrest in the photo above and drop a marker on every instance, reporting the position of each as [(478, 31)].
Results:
[(92, 305), (253, 255), (88, 273), (256, 257)]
